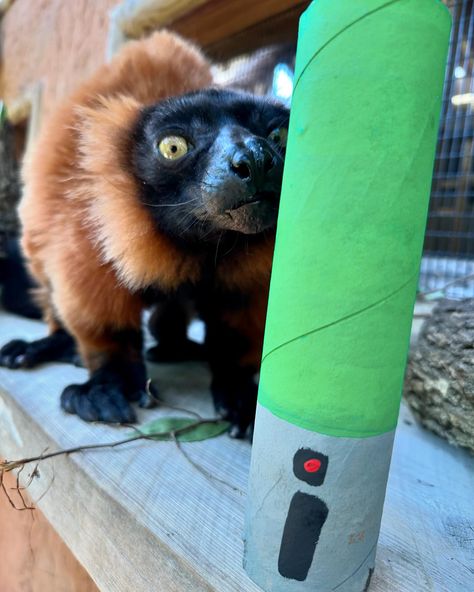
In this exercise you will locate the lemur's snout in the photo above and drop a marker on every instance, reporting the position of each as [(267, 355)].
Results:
[(253, 163)]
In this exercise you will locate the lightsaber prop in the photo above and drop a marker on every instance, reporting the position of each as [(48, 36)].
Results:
[(363, 127)]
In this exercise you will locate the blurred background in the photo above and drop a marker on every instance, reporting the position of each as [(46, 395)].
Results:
[(49, 46)]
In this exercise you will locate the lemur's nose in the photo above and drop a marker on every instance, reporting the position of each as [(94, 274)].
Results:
[(253, 163)]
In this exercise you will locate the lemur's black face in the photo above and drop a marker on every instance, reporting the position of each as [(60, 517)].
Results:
[(211, 161)]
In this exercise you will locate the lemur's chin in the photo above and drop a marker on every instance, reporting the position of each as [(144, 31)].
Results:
[(250, 218)]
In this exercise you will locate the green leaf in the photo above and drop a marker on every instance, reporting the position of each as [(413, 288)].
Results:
[(159, 429)]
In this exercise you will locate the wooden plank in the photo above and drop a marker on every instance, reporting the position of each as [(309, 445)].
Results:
[(144, 510), (137, 17), (224, 28), (34, 552), (279, 29), (427, 536), (214, 24)]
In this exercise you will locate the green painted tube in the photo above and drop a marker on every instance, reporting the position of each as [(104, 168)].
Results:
[(363, 128), (364, 121)]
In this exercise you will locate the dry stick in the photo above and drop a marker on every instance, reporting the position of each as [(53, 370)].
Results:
[(19, 491), (193, 463), (9, 498), (202, 470), (37, 501), (34, 473), (7, 466), (15, 464), (162, 403), (198, 467)]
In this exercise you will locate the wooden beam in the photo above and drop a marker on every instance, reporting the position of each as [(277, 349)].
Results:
[(135, 18), (132, 19), (143, 518), (224, 27), (281, 29)]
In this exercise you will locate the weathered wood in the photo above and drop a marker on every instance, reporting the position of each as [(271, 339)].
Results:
[(142, 518), (281, 29), (439, 384), (226, 28), (33, 556), (137, 17)]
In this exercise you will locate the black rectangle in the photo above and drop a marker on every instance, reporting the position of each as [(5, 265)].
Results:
[(306, 517)]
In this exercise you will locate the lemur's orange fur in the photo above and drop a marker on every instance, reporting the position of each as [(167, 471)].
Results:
[(90, 243)]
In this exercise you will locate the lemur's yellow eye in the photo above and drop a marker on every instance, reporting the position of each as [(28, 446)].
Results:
[(173, 147), (279, 136)]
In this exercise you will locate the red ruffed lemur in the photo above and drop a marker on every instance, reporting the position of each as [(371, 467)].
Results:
[(148, 187)]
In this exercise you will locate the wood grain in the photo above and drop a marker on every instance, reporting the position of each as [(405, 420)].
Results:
[(136, 17), (162, 525), (33, 556), (228, 27), (279, 29)]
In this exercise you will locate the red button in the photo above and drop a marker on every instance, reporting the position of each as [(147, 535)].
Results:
[(312, 465)]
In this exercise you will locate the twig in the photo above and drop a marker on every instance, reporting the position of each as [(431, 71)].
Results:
[(46, 490), (34, 473), (193, 463), (7, 466), (202, 470), (9, 498), (19, 491), (162, 403)]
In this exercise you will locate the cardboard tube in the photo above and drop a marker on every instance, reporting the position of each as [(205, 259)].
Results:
[(364, 120)]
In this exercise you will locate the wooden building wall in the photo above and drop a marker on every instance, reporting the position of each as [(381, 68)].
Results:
[(55, 42)]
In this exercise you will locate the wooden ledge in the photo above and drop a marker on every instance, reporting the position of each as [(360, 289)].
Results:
[(224, 28), (141, 518)]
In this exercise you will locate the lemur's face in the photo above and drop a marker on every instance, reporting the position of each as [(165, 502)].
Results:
[(210, 162)]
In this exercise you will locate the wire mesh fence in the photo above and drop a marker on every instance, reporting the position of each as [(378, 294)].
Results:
[(449, 242)]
